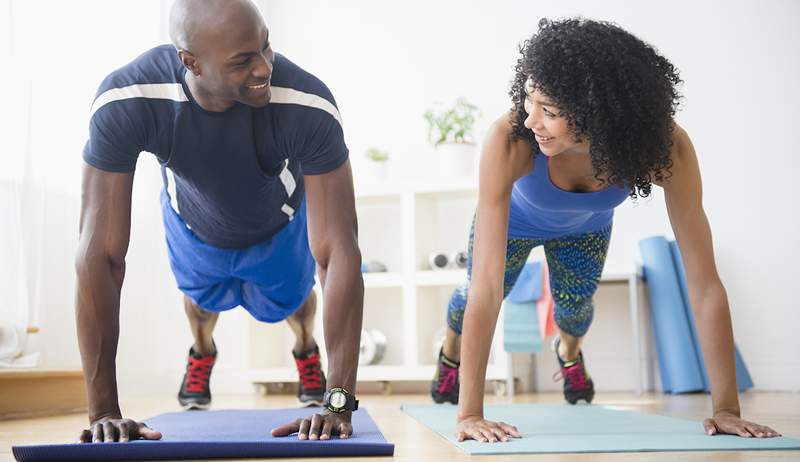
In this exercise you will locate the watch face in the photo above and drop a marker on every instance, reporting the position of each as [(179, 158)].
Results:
[(338, 399)]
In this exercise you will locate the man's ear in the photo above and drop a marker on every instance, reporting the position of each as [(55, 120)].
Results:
[(189, 61)]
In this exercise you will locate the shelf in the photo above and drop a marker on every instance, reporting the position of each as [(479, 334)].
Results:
[(445, 277), (402, 221), (459, 186), (376, 373), (382, 280), (463, 185), (373, 192)]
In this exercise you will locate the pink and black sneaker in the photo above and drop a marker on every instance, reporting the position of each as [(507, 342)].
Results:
[(195, 392), (578, 383), (444, 388), (311, 390)]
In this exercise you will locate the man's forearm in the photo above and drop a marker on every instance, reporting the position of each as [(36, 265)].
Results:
[(716, 338), (343, 301), (97, 320)]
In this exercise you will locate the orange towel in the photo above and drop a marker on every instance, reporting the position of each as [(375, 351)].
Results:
[(544, 306)]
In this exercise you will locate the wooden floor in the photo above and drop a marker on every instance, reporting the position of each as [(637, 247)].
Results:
[(414, 442)]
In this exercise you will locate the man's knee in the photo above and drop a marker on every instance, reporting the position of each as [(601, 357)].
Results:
[(197, 312), (306, 309)]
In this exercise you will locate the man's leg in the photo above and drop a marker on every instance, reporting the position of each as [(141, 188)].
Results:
[(202, 323), (302, 324), (195, 391), (312, 385)]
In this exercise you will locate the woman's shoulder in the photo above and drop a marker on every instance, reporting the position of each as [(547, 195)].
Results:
[(501, 147), (682, 156)]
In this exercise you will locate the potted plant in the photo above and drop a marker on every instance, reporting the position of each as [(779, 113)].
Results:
[(378, 164), (450, 130)]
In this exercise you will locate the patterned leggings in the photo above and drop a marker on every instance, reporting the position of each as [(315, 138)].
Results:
[(575, 264)]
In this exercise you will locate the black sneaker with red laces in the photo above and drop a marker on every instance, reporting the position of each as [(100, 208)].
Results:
[(445, 386), (578, 384), (195, 392), (311, 389)]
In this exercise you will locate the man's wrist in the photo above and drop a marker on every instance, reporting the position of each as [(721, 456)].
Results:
[(101, 411), (727, 412)]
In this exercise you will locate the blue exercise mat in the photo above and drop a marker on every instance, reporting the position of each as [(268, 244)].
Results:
[(217, 435), (562, 428)]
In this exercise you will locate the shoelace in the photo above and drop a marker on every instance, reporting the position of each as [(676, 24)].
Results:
[(574, 375), (309, 369), (447, 379), (199, 372)]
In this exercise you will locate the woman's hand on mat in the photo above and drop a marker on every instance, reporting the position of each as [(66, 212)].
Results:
[(113, 429), (485, 431), (318, 427), (731, 424)]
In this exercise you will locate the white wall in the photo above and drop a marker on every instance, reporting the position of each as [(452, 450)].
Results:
[(64, 63), (386, 62)]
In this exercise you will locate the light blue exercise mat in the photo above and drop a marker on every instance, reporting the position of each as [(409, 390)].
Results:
[(562, 428)]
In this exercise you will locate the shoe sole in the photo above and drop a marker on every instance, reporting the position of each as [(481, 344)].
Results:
[(195, 406), (442, 400), (310, 403), (587, 398)]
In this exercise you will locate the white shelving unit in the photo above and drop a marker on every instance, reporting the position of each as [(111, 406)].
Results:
[(399, 226)]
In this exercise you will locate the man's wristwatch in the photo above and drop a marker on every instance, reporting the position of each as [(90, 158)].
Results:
[(339, 400)]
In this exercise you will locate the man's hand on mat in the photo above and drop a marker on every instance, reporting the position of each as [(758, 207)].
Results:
[(111, 429), (318, 426), (731, 424), (485, 431)]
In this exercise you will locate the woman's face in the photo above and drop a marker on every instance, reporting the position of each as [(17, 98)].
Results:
[(549, 126)]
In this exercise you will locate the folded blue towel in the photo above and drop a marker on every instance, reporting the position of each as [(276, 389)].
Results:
[(521, 328)]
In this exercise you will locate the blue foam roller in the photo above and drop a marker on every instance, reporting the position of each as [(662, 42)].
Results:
[(743, 380), (680, 371), (217, 435)]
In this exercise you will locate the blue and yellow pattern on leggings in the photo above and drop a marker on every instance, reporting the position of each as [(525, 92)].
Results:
[(575, 263)]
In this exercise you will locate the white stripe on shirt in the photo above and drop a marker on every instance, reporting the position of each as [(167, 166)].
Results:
[(283, 95), (171, 91)]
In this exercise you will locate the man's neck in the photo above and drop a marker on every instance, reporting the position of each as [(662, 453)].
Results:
[(203, 98)]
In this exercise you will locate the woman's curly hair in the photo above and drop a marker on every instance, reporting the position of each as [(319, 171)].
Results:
[(612, 88)]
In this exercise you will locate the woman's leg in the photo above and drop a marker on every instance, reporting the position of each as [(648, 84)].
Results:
[(576, 264), (445, 385), (517, 251)]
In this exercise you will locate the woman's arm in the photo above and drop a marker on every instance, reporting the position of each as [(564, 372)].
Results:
[(684, 200), (502, 162)]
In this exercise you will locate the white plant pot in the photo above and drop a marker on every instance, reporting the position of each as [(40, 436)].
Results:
[(455, 160), (377, 171), (12, 342)]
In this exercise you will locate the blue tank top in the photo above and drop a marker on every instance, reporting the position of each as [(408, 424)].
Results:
[(539, 209)]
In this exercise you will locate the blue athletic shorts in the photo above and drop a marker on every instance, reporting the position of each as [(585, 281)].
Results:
[(270, 279)]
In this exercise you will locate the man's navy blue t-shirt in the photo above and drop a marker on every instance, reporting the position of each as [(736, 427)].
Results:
[(235, 177)]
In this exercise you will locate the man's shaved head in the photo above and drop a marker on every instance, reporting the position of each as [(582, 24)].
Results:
[(224, 46), (192, 21)]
